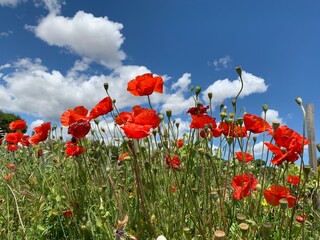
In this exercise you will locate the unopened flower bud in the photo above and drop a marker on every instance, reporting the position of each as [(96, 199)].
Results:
[(103, 129), (96, 121), (239, 71), (229, 120), (265, 107), (210, 95), (241, 217), (275, 125), (234, 101), (218, 234), (169, 113), (299, 100), (106, 86), (198, 90), (254, 138), (221, 106), (223, 115), (229, 140), (161, 116), (177, 125), (240, 121), (283, 203)]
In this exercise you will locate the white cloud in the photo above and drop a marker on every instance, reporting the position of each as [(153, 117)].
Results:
[(176, 101), (224, 89), (182, 82), (11, 3), (31, 88), (6, 34), (4, 66), (34, 124), (273, 116), (258, 148), (223, 62), (96, 38)]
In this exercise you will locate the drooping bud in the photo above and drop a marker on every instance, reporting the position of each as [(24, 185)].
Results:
[(299, 101), (96, 121), (239, 71), (106, 86)]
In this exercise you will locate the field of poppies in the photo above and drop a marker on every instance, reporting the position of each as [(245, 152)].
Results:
[(141, 178)]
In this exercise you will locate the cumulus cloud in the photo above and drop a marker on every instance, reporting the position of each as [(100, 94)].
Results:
[(95, 38), (176, 101), (31, 88), (224, 89), (11, 3), (273, 116)]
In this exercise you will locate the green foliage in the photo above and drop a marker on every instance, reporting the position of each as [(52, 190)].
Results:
[(6, 119)]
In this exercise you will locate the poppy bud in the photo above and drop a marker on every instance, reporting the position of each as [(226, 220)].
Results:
[(240, 121), (96, 121), (198, 90), (221, 106), (54, 127), (275, 125), (239, 71), (103, 130), (241, 217), (244, 228), (231, 114), (265, 107), (114, 101), (306, 169), (254, 139), (229, 120), (283, 203), (177, 125), (106, 86), (299, 100), (168, 113), (234, 101), (218, 234), (266, 230), (191, 88), (223, 115), (229, 140), (161, 116), (210, 95)]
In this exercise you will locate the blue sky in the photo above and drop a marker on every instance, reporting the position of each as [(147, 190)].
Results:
[(56, 55)]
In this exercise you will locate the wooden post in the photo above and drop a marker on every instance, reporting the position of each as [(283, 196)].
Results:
[(311, 136), (313, 162)]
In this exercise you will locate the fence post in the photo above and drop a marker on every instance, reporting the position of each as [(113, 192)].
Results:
[(313, 162)]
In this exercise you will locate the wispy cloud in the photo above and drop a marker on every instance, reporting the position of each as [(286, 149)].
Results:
[(11, 3), (5, 34), (221, 63)]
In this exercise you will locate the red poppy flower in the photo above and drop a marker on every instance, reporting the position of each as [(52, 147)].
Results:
[(173, 162), (247, 157), (243, 185), (11, 166), (233, 130), (67, 213), (294, 180), (14, 137), (289, 139), (123, 156), (25, 140), (301, 218), (206, 134), (73, 150), (180, 143), (276, 192), (103, 107), (70, 116), (138, 123), (145, 84), (12, 147), (198, 110), (255, 124), (198, 121), (79, 128), (9, 176), (42, 133), (18, 125), (136, 131)]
